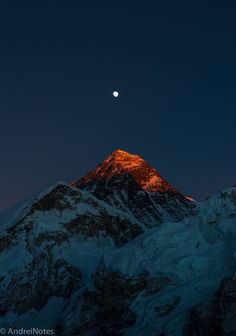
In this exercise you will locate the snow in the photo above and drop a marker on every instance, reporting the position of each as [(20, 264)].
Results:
[(195, 254), (14, 260), (33, 319), (180, 251), (9, 217), (84, 255)]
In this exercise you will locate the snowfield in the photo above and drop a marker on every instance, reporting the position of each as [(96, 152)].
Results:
[(85, 265)]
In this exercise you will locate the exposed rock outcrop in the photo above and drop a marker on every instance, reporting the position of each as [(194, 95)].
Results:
[(218, 317), (128, 182)]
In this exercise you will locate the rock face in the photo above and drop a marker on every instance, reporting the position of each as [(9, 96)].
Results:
[(119, 252), (217, 318), (32, 246), (129, 183)]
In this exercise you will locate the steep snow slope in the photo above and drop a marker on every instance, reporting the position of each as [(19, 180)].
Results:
[(66, 273), (149, 285), (50, 246), (62, 207), (189, 259)]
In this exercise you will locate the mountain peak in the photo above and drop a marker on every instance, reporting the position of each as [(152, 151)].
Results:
[(121, 154), (122, 160), (127, 182), (120, 164)]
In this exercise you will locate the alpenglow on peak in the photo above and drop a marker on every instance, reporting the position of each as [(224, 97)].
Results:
[(120, 164)]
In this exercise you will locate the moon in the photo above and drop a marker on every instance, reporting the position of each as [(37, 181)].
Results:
[(115, 94)]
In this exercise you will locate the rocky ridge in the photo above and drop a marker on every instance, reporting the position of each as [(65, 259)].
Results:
[(119, 252), (129, 183)]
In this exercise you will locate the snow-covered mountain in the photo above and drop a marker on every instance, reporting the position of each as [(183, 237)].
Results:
[(119, 252)]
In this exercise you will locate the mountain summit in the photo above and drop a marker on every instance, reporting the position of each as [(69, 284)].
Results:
[(129, 183), (121, 163)]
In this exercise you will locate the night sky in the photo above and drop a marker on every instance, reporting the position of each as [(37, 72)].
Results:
[(173, 62)]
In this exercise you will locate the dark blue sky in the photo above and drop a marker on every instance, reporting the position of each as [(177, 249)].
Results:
[(174, 63)]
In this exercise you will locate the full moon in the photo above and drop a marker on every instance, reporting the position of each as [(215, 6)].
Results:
[(115, 94)]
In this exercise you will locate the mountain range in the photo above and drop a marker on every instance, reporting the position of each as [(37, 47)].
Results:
[(118, 252)]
